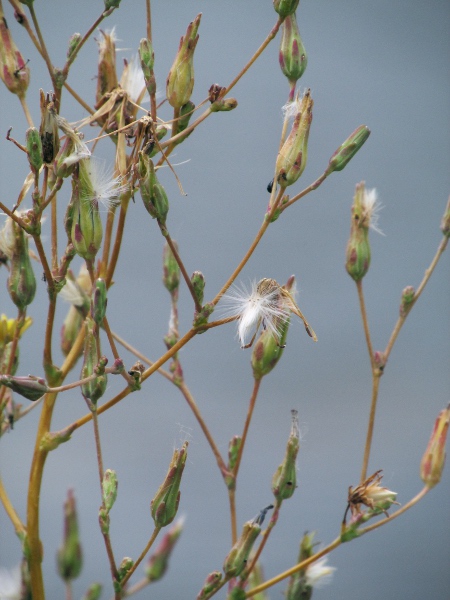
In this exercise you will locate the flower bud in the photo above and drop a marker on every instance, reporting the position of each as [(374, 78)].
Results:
[(159, 561), (171, 270), (198, 283), (433, 460), (93, 592), (358, 247), (31, 387), (106, 72), (268, 349), (48, 129), (124, 567), (152, 192), (13, 69), (180, 81), (34, 149), (237, 558), (285, 477), (292, 56), (407, 300), (69, 558), (285, 7), (445, 223), (72, 151), (109, 489), (212, 582), (95, 388), (147, 57), (110, 5), (348, 149), (202, 316), (224, 105), (233, 451), (99, 301), (74, 42), (53, 439), (291, 160), (164, 505), (21, 280), (86, 229)]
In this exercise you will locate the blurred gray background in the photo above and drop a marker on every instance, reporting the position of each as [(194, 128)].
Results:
[(384, 64)]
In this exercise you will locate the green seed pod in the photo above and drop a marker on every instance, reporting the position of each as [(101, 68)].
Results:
[(74, 42), (292, 55), (147, 57), (21, 280), (34, 149), (164, 505), (348, 149), (109, 489), (93, 592), (285, 477), (285, 7), (237, 558), (198, 283), (171, 270), (95, 388), (31, 387), (70, 559), (212, 582), (152, 192), (48, 129), (99, 301), (358, 247)]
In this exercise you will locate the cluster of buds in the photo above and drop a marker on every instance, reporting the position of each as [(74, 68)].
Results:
[(180, 81), (14, 71), (164, 505), (285, 478), (70, 560), (291, 160)]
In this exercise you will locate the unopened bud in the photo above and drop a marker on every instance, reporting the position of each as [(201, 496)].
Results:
[(21, 279), (74, 42), (164, 505), (109, 489), (224, 105), (93, 592), (358, 247), (233, 451), (124, 567), (99, 301), (198, 283), (445, 223), (31, 387), (201, 317), (407, 300), (348, 149), (268, 349), (34, 149), (284, 480), (212, 582), (53, 439), (171, 270), (147, 57), (110, 5), (95, 388), (48, 129), (106, 70), (86, 229), (180, 81), (285, 7), (159, 561), (292, 56), (291, 161), (433, 460), (236, 560), (13, 69), (70, 559), (152, 192)]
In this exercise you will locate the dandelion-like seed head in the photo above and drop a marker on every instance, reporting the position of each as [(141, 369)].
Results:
[(100, 186), (108, 38), (132, 80), (370, 209)]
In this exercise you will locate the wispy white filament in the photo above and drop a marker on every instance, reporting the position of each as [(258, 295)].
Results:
[(106, 187), (319, 573), (371, 208)]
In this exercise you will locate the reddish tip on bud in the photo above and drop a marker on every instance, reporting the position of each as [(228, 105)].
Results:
[(358, 247), (212, 582), (292, 55), (348, 149), (164, 505), (407, 300), (31, 387), (70, 559), (433, 460), (13, 69), (180, 81)]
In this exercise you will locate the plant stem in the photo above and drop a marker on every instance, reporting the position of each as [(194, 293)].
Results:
[(371, 424), (304, 192), (142, 555), (271, 525), (362, 306), (26, 111), (43, 47), (11, 512)]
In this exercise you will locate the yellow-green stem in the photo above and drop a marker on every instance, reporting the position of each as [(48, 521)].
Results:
[(142, 555)]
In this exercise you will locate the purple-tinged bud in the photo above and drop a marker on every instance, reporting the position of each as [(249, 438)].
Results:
[(433, 460), (93, 592), (291, 160), (445, 223), (407, 300), (92, 364), (292, 56), (224, 105), (53, 439), (152, 192), (202, 316), (34, 149), (48, 129), (358, 247), (13, 69), (268, 349), (21, 279), (233, 451), (180, 81), (31, 387), (171, 270), (70, 559), (74, 42), (164, 505), (99, 301), (284, 480), (379, 360), (237, 558), (198, 283), (106, 72), (285, 7), (212, 582), (147, 57), (159, 561), (348, 149)]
